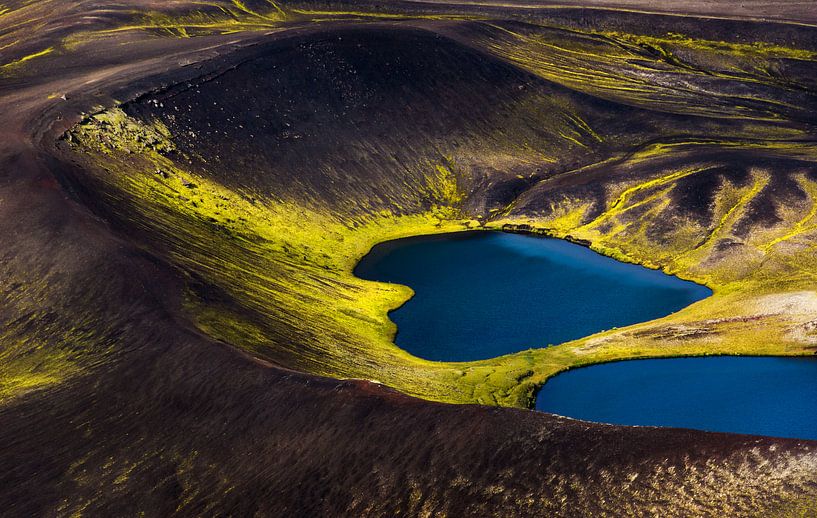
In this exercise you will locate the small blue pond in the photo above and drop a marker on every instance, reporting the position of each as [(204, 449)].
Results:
[(484, 294), (761, 396)]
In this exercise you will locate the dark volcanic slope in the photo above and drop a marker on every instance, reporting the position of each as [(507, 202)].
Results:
[(114, 403), (371, 109), (245, 440), (796, 11)]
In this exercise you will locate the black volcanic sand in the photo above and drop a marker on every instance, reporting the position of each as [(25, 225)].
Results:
[(163, 420)]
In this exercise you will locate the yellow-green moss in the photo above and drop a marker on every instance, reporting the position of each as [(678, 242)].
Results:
[(633, 69), (288, 269), (291, 267), (20, 61)]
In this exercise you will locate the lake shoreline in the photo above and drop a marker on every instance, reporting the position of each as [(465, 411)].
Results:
[(717, 393), (486, 281)]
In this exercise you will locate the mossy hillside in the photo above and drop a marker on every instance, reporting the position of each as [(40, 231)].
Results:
[(53, 328), (269, 268), (215, 18), (746, 220), (282, 275), (277, 259), (330, 137), (146, 414), (761, 272), (665, 73), (497, 128)]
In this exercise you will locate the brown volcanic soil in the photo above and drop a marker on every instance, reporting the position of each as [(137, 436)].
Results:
[(163, 420), (793, 11)]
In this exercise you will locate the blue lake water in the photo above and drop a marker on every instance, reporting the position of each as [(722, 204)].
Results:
[(484, 294), (762, 396)]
